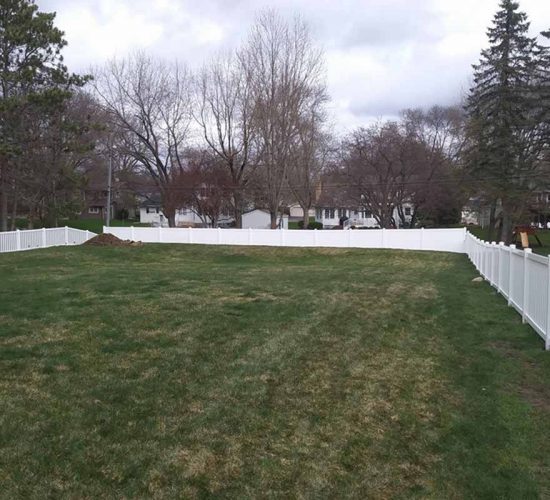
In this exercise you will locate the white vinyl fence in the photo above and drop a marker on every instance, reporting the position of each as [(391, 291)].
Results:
[(443, 240), (521, 276), (15, 241)]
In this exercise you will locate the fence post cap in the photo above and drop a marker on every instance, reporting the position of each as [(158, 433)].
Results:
[(528, 250), (501, 243), (513, 245)]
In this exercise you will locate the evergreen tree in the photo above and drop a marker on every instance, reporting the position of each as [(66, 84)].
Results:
[(503, 158), (32, 74)]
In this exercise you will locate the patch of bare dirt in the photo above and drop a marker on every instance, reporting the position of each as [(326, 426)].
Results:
[(110, 240)]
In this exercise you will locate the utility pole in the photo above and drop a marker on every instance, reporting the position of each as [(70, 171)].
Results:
[(109, 186)]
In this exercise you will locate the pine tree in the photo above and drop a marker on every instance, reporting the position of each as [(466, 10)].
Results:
[(31, 72), (501, 107)]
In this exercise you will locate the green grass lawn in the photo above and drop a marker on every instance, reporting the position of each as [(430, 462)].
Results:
[(175, 371)]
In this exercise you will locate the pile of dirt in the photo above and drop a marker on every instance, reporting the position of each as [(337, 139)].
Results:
[(110, 240)]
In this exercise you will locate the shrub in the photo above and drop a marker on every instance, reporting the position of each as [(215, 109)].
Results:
[(311, 225)]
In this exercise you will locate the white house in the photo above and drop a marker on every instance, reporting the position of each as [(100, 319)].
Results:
[(355, 217), (151, 213), (261, 219), (296, 211)]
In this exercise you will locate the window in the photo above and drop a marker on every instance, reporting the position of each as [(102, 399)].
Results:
[(93, 210), (355, 213), (332, 213), (407, 210), (152, 210), (342, 212), (367, 214)]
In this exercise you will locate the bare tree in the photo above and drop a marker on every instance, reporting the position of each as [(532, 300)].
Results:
[(224, 114), (438, 137), (286, 77), (309, 155), (377, 167), (149, 100)]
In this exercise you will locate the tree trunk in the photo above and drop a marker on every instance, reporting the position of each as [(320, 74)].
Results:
[(14, 212), (3, 203), (492, 220), (273, 215), (238, 210), (171, 216), (306, 216), (506, 227)]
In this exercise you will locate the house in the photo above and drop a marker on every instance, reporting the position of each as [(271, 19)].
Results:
[(331, 217), (333, 209), (94, 204), (261, 219), (297, 213), (150, 212)]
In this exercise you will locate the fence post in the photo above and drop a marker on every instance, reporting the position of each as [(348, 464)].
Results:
[(421, 238), (250, 236), (18, 239), (66, 235), (87, 235), (282, 236), (315, 238), (383, 238), (524, 311), (43, 237), (500, 246), (190, 234), (511, 249), (219, 236), (132, 237), (494, 249), (547, 330), (160, 234), (349, 237)]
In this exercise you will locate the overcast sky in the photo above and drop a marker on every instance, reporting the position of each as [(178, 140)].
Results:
[(382, 55)]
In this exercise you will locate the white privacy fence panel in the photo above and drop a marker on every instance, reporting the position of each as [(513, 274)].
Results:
[(446, 240), (15, 241), (521, 276)]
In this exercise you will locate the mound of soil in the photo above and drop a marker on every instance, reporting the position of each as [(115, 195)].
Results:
[(110, 240)]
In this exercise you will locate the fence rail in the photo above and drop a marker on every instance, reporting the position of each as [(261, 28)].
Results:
[(443, 240), (520, 276), (15, 241)]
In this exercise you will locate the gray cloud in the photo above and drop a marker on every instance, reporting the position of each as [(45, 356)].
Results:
[(382, 55)]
